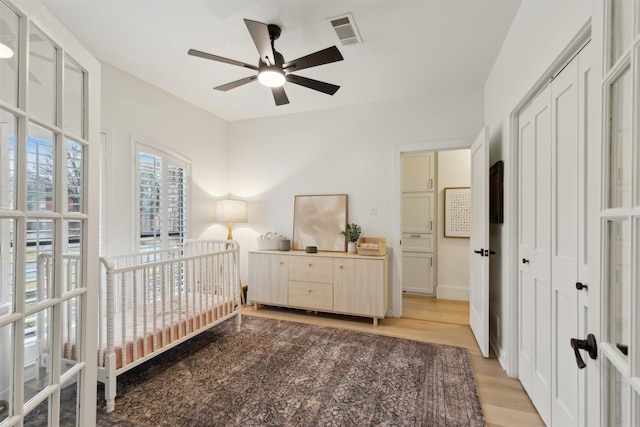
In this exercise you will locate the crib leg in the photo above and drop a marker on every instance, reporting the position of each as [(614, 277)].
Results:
[(110, 384), (238, 321)]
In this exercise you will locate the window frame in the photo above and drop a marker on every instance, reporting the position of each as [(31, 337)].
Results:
[(168, 157)]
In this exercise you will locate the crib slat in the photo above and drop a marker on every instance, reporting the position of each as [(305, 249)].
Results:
[(145, 298)]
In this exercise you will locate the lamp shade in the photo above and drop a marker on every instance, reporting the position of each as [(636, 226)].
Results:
[(228, 210)]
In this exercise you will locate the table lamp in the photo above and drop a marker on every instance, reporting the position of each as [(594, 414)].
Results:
[(230, 211)]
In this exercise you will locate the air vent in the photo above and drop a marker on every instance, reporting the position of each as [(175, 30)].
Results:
[(345, 28)]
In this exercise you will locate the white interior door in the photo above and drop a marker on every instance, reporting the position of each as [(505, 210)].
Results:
[(534, 288), (568, 235), (479, 243)]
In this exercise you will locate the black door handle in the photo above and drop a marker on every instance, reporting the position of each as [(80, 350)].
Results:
[(481, 252), (589, 344), (580, 286), (525, 261), (624, 349)]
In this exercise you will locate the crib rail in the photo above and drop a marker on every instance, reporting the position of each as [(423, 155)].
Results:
[(163, 296), (148, 302)]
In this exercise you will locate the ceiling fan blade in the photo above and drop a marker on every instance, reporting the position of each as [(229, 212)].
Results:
[(260, 35), (279, 95), (235, 84), (212, 57), (327, 88), (325, 56)]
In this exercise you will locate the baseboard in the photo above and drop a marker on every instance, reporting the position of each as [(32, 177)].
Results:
[(452, 293)]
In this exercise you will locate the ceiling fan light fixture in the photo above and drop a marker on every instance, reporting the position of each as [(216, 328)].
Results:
[(271, 77), (5, 51)]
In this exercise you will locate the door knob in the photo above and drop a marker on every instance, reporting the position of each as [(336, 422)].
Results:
[(589, 344), (525, 261), (580, 286), (481, 252)]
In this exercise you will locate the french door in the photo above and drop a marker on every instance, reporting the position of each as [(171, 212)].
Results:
[(48, 239), (620, 217)]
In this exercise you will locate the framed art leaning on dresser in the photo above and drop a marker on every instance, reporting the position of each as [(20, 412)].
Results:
[(318, 221)]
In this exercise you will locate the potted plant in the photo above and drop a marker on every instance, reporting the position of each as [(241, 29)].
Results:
[(352, 234)]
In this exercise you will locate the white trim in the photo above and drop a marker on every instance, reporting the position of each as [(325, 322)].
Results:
[(395, 269), (159, 148), (106, 190), (452, 293)]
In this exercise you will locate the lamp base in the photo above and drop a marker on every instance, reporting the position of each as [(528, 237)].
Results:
[(243, 299)]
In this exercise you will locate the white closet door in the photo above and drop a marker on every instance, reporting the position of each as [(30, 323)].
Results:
[(534, 346), (553, 244), (567, 205)]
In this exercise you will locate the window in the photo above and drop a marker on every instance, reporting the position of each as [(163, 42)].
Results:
[(162, 201)]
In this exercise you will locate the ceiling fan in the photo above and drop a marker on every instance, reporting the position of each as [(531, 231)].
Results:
[(272, 70)]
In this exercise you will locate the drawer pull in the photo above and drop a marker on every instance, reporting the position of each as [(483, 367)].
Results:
[(415, 235)]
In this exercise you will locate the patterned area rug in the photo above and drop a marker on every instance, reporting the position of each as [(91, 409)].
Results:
[(279, 373)]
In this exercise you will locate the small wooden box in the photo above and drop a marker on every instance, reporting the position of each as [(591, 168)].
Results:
[(376, 246)]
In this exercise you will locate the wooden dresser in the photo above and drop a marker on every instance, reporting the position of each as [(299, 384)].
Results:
[(333, 282)]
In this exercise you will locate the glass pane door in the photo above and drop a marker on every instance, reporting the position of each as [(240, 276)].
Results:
[(618, 347), (43, 226)]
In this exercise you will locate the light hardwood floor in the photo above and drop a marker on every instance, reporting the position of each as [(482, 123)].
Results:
[(503, 399)]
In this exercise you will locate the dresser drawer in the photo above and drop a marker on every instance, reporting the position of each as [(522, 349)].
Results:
[(417, 242), (311, 269), (318, 296)]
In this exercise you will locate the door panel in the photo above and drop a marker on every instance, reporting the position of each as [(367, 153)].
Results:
[(417, 272), (534, 252), (564, 235), (526, 291), (620, 222), (417, 172), (479, 241), (417, 212)]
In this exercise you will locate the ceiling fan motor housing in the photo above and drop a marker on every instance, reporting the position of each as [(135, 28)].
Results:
[(278, 58)]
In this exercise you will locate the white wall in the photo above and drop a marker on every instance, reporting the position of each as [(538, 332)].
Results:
[(349, 150), (540, 32), (132, 108), (454, 170)]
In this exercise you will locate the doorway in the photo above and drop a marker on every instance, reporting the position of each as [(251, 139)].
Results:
[(435, 266)]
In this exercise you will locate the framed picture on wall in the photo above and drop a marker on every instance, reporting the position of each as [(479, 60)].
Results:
[(496, 192), (318, 221), (457, 212)]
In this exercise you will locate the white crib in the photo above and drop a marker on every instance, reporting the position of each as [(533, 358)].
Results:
[(152, 301)]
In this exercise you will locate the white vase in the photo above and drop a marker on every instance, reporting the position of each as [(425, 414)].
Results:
[(351, 247)]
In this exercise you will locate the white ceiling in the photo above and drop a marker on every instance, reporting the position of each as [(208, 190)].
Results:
[(411, 48)]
